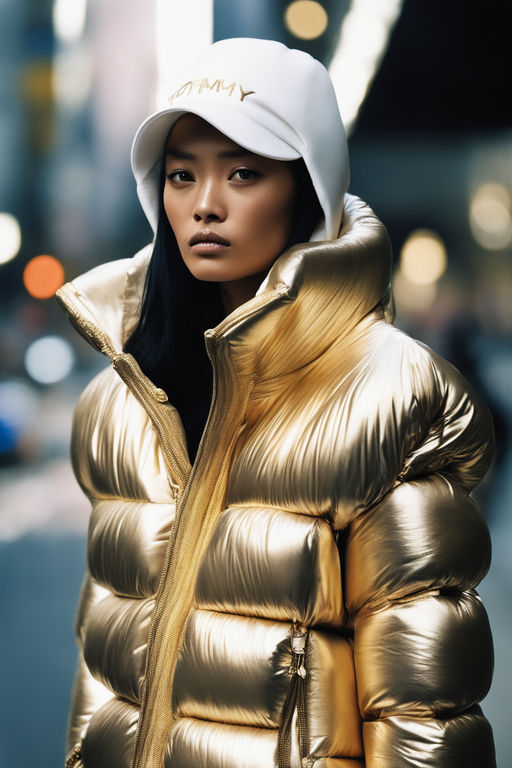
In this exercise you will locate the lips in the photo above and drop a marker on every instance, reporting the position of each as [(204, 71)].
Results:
[(208, 237)]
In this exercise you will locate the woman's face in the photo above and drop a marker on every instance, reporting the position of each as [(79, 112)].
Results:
[(230, 209)]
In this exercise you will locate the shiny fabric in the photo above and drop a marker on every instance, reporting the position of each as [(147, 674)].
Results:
[(327, 534)]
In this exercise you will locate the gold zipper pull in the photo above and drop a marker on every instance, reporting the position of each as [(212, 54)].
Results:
[(301, 668), (296, 700), (299, 656), (298, 666)]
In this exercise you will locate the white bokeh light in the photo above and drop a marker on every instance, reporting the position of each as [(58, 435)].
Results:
[(364, 37), (10, 237), (49, 359), (423, 257), (18, 404), (490, 216), (72, 76), (69, 19), (410, 296)]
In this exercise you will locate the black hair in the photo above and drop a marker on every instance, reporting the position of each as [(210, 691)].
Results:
[(177, 308)]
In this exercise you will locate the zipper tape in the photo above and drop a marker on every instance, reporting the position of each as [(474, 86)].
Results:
[(295, 701), (73, 757)]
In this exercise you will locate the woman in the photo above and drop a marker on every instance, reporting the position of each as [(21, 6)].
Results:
[(287, 580)]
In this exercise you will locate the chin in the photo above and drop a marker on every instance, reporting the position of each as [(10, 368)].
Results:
[(207, 273)]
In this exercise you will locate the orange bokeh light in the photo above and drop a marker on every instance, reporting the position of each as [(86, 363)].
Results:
[(42, 276)]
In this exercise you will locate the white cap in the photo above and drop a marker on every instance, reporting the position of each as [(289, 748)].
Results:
[(270, 99)]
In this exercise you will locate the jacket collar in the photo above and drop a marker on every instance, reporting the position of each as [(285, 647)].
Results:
[(313, 294)]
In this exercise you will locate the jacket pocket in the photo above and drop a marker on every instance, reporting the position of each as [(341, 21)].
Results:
[(295, 701)]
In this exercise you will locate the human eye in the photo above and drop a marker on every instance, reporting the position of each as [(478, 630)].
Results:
[(244, 174), (179, 176)]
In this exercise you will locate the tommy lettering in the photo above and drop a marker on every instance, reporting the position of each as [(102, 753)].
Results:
[(244, 93), (183, 88), (217, 86), (205, 86)]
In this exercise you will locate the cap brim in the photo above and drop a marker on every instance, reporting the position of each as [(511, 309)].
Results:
[(149, 140)]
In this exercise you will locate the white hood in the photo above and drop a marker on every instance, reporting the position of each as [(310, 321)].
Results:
[(270, 99)]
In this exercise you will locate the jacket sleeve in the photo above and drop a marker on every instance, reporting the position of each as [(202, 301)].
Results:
[(423, 650)]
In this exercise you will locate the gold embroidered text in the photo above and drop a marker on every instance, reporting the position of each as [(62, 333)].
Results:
[(216, 86)]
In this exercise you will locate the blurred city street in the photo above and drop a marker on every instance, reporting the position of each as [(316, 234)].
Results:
[(41, 575)]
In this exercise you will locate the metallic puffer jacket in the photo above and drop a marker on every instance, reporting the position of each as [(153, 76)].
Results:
[(304, 594)]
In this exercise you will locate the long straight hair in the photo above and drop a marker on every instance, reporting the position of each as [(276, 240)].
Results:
[(177, 308)]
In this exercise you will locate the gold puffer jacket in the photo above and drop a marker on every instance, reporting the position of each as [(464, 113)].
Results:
[(304, 594)]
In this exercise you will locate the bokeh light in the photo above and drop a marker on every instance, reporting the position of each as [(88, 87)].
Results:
[(362, 42), (18, 405), (18, 409), (423, 257), (42, 276), (72, 77), (490, 216), (69, 19), (306, 19), (10, 237), (412, 297), (49, 359)]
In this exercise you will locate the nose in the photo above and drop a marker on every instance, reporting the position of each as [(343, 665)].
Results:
[(209, 203)]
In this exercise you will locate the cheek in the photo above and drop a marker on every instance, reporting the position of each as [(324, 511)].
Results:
[(172, 210), (272, 216), (282, 204)]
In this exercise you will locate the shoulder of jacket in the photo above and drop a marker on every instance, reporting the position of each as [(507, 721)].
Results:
[(416, 355), (114, 270), (400, 355), (460, 438), (436, 383), (103, 304)]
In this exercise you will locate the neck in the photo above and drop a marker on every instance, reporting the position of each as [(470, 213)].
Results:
[(236, 292)]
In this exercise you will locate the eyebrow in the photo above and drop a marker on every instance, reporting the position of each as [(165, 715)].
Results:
[(229, 153)]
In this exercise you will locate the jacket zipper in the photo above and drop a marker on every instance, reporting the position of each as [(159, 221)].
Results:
[(156, 716), (295, 701), (153, 399), (73, 757), (151, 738)]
